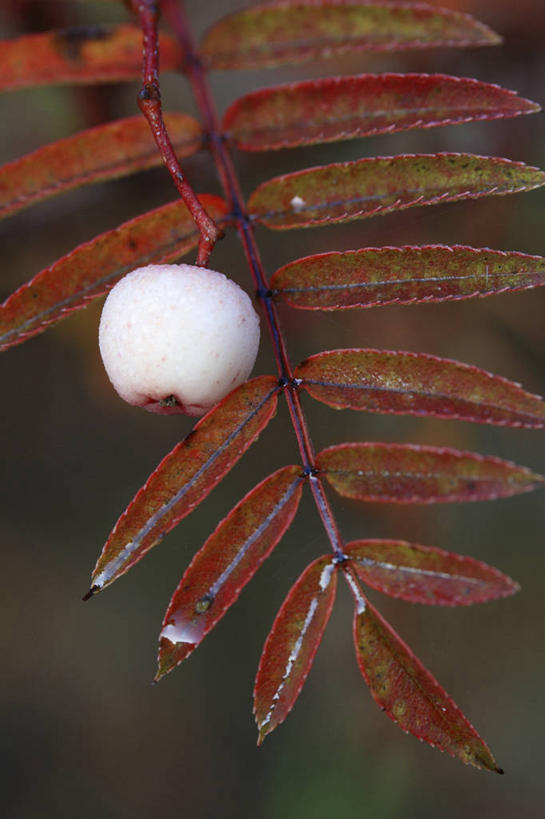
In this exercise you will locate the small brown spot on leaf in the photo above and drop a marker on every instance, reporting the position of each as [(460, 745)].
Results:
[(202, 605), (70, 41)]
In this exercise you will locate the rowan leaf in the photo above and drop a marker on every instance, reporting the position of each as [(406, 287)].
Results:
[(89, 271), (411, 473), (105, 152), (417, 384), (425, 574), (226, 563), (272, 34), (409, 694), (375, 276), (339, 108), (84, 54), (345, 191), (292, 643), (186, 476)]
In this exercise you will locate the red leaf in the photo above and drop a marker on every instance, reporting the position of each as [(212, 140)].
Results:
[(375, 276), (291, 32), (408, 473), (186, 476), (292, 644), (86, 54), (106, 152), (226, 563), (91, 269), (417, 384), (408, 693), (423, 574), (368, 187), (337, 108)]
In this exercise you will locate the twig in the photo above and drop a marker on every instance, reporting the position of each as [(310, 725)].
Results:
[(149, 102), (175, 14)]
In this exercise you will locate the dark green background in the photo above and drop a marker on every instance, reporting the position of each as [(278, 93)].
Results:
[(83, 734)]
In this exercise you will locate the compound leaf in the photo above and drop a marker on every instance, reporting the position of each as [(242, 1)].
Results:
[(290, 32), (292, 644), (226, 563), (338, 108), (345, 191), (86, 54), (425, 574), (409, 694), (376, 276), (411, 473), (89, 271), (417, 384), (105, 152), (186, 476)]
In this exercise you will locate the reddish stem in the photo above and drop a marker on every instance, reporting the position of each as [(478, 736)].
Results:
[(176, 17), (149, 102)]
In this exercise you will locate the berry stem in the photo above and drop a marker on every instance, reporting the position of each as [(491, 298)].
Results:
[(149, 102)]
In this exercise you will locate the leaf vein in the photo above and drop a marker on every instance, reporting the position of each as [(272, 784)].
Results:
[(216, 586), (152, 521)]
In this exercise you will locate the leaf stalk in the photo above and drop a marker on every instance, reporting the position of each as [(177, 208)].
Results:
[(175, 14), (149, 102)]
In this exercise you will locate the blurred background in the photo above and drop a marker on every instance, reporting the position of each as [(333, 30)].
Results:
[(83, 733)]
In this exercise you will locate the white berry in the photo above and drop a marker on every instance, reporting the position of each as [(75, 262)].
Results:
[(177, 338)]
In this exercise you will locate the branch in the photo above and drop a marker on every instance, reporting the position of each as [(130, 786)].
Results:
[(149, 102), (175, 13)]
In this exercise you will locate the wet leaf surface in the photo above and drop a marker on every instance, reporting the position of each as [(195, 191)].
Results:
[(292, 644), (274, 34), (339, 108), (86, 54), (403, 275), (346, 191), (226, 563), (186, 476), (409, 473), (417, 384), (425, 574), (105, 152), (89, 271), (409, 694)]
